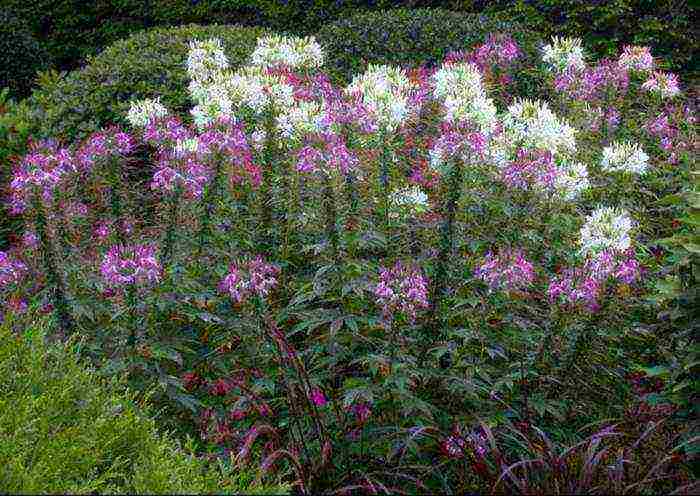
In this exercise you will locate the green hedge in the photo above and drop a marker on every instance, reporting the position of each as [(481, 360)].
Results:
[(411, 37), (21, 55), (65, 430), (148, 64), (71, 30)]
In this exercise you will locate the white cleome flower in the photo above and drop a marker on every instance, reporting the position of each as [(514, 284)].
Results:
[(563, 54), (142, 111), (624, 157), (206, 59), (460, 88), (606, 228), (571, 180), (531, 124), (385, 91), (413, 198), (302, 119), (297, 53), (636, 58)]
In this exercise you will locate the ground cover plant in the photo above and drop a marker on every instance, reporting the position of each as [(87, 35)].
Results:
[(421, 281)]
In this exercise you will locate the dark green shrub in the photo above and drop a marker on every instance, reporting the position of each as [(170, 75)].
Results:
[(20, 54), (67, 431), (147, 64), (605, 26), (409, 37)]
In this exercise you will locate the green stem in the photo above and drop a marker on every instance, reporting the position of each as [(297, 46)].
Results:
[(172, 222), (54, 280), (209, 199)]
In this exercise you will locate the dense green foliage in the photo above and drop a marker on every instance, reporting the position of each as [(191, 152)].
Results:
[(71, 30), (146, 65), (413, 38), (20, 53), (66, 430)]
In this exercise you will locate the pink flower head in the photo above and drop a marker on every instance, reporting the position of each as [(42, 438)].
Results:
[(12, 271), (318, 398), (403, 289), (256, 277), (131, 265), (362, 411), (664, 84), (508, 270), (531, 168), (308, 158), (30, 240)]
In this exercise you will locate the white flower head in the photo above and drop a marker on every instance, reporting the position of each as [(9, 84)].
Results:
[(256, 90), (624, 157), (606, 228), (460, 88), (142, 111), (413, 198), (531, 124), (385, 91), (302, 119), (206, 59), (571, 180), (563, 54), (294, 52), (636, 58)]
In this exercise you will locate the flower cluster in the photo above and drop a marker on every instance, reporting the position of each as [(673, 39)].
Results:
[(571, 180), (126, 265), (385, 91), (663, 84), (508, 270), (459, 87), (455, 142), (624, 157), (636, 58), (532, 124), (401, 288), (593, 83), (296, 53), (206, 59), (142, 111), (12, 271), (607, 228), (531, 168), (256, 277), (584, 285), (564, 53)]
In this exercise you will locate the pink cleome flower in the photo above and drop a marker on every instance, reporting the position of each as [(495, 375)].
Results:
[(403, 289), (125, 265), (255, 277), (507, 270)]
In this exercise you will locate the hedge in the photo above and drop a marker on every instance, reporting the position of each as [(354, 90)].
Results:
[(21, 55), (66, 430), (71, 30), (148, 64), (411, 37)]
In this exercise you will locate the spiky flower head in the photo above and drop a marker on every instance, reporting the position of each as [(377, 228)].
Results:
[(571, 180), (607, 228), (664, 84), (142, 111), (459, 87), (532, 124), (413, 199), (206, 59), (385, 92), (624, 157), (293, 52), (636, 58), (306, 117), (563, 54)]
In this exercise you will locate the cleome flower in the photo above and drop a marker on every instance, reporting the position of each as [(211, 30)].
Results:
[(564, 53), (532, 124), (624, 157), (12, 270), (607, 228), (206, 59), (460, 88), (385, 92), (256, 277), (125, 265), (663, 84), (636, 58), (293, 52), (413, 198), (142, 111), (508, 270), (403, 289), (571, 180)]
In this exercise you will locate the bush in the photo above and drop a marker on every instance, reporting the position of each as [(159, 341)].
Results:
[(146, 65), (343, 308), (20, 54), (66, 430), (605, 26), (411, 37)]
